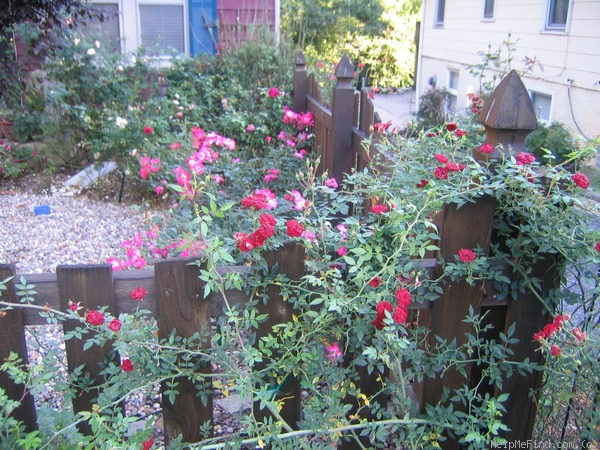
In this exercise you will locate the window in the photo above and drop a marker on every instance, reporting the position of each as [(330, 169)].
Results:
[(106, 26), (488, 9), (557, 15), (162, 28), (451, 99), (452, 79), (541, 105), (439, 14)]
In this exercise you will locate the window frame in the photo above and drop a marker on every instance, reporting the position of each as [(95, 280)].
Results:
[(553, 27), (543, 93), (163, 54)]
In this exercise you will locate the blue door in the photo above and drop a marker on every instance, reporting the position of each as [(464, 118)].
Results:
[(203, 26)]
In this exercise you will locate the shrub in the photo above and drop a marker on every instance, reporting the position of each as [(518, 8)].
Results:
[(432, 108), (553, 142)]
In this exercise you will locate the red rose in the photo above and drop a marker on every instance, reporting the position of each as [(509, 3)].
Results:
[(147, 445), (400, 314), (114, 325), (138, 293), (486, 148), (382, 307), (255, 201), (442, 159), (441, 173), (243, 242), (525, 158), (148, 130), (126, 365), (403, 297), (555, 350), (94, 318), (451, 126), (466, 255), (422, 184), (581, 180), (460, 133), (375, 282), (294, 228), (267, 220), (379, 209)]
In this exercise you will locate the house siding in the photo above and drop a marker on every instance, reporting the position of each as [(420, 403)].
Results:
[(234, 19), (571, 55)]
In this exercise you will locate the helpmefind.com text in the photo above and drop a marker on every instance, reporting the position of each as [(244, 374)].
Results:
[(542, 444)]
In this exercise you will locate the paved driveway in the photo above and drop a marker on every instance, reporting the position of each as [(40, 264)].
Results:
[(399, 108)]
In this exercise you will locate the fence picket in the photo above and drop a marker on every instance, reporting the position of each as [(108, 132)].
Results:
[(92, 285), (12, 339), (290, 260), (181, 308)]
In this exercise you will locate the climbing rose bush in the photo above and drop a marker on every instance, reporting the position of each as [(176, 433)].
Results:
[(356, 308)]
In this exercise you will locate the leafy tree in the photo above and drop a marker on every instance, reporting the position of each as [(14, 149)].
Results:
[(43, 12), (377, 33), (319, 22)]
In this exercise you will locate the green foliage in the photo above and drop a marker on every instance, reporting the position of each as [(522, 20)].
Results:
[(553, 142), (496, 63), (354, 263), (378, 36), (432, 108), (17, 159), (52, 13)]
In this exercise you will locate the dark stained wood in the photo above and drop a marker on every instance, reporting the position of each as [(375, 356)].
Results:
[(467, 227), (92, 286), (300, 83), (290, 260), (508, 117), (12, 339), (530, 315), (181, 308), (340, 160)]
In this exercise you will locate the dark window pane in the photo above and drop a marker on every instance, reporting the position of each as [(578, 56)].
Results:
[(440, 12), (559, 10)]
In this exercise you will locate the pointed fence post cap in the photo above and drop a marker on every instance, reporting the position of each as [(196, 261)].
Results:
[(344, 69), (300, 59), (508, 116)]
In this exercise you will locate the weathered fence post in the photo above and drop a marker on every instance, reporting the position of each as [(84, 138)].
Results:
[(340, 159), (509, 117), (12, 339), (290, 260), (92, 285), (300, 88), (181, 308)]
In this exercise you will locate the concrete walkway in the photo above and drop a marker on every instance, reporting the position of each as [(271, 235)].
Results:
[(398, 108)]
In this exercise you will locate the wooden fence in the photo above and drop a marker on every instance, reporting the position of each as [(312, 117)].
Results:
[(175, 291)]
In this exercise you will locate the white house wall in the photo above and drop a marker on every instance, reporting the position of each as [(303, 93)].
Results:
[(574, 55)]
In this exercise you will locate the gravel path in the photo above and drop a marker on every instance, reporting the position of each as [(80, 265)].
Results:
[(77, 230)]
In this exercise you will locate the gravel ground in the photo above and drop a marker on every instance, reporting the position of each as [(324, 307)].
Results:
[(78, 230), (82, 228)]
